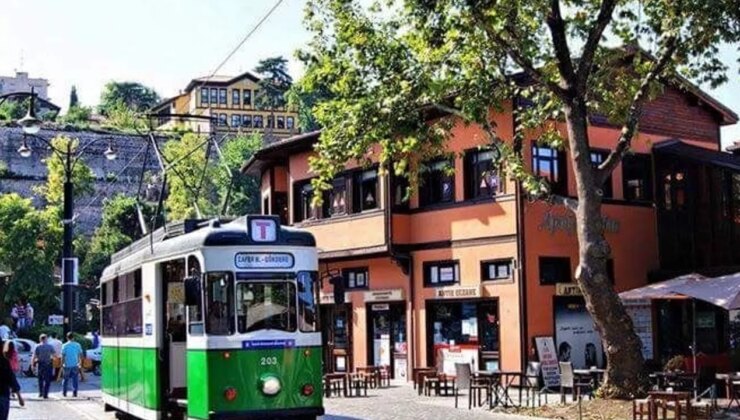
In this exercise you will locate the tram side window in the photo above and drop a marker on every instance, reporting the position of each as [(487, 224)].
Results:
[(307, 301), (220, 303), (122, 306), (266, 306)]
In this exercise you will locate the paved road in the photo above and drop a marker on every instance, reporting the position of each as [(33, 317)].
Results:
[(399, 402)]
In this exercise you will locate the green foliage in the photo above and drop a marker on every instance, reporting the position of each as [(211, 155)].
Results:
[(82, 176), (12, 110), (245, 192), (274, 84), (77, 115), (39, 328), (29, 241), (132, 95), (191, 180), (123, 118), (74, 101), (303, 101)]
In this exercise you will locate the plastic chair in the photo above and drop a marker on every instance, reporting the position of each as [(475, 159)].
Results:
[(568, 380), (464, 380)]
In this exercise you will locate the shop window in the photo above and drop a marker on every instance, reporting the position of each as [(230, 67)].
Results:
[(289, 123), (356, 278), (236, 120), (597, 158), (481, 178), (637, 175), (236, 99), (247, 121), (214, 96), (549, 164), (441, 273), (555, 270), (674, 191), (222, 96), (437, 184), (247, 96), (257, 121), (337, 197), (473, 326), (281, 123), (365, 190), (496, 270), (204, 96)]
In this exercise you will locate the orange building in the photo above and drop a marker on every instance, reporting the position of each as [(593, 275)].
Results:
[(468, 268)]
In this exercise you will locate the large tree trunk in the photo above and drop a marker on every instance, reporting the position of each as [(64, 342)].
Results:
[(624, 374)]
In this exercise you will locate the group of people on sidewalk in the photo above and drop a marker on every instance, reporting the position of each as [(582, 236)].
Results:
[(71, 354)]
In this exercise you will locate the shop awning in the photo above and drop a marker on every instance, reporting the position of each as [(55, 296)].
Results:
[(721, 291), (681, 150)]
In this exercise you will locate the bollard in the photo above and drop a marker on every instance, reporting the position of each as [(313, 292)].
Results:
[(580, 409)]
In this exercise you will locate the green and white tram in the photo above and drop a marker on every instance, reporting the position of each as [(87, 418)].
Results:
[(204, 320)]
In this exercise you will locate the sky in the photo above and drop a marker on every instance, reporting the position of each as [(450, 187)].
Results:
[(166, 43)]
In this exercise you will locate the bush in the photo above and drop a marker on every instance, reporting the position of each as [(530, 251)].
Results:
[(676, 363), (34, 332)]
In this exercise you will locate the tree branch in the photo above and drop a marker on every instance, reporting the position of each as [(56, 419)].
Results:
[(592, 43), (635, 111), (560, 43), (525, 63), (569, 203)]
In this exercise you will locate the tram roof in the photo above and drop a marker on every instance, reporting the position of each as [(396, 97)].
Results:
[(188, 235)]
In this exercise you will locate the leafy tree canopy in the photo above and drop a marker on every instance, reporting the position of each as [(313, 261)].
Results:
[(133, 95), (245, 191), (400, 74), (274, 84), (82, 176), (190, 179), (78, 116)]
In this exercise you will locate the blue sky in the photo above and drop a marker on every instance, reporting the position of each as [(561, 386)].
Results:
[(165, 43)]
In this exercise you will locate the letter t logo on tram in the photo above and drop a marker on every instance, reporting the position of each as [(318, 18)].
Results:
[(263, 230)]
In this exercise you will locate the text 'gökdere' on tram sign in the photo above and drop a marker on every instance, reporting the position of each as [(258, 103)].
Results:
[(263, 260)]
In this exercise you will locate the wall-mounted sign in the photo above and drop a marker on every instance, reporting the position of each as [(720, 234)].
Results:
[(566, 223), (383, 295), (567, 289), (380, 307), (56, 320), (328, 298), (457, 292), (263, 260)]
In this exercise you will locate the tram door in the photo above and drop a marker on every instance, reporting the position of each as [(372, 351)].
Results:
[(174, 374)]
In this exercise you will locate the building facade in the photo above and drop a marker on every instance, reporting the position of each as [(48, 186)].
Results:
[(22, 83), (468, 269), (228, 104)]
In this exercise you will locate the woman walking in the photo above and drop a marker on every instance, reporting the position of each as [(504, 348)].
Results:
[(11, 354), (8, 384)]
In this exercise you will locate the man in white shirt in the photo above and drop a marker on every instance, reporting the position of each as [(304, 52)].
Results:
[(4, 332)]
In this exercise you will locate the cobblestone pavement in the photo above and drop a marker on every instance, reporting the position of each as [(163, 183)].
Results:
[(398, 402)]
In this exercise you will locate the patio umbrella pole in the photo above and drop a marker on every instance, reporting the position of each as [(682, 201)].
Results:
[(693, 345)]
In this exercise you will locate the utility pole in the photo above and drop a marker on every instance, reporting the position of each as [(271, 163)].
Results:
[(68, 268)]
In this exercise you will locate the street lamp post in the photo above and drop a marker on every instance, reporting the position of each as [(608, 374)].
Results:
[(31, 125)]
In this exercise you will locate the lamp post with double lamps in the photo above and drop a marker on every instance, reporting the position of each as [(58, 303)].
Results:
[(69, 156)]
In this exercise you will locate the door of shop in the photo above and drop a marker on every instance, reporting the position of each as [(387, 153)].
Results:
[(336, 333), (386, 340)]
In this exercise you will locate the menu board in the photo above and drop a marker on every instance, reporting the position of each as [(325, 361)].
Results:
[(548, 361)]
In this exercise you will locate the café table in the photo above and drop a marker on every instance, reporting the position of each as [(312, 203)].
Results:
[(595, 374), (373, 374), (500, 382), (678, 381), (679, 402), (333, 378)]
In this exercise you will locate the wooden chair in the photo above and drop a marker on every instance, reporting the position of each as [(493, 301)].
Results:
[(359, 382), (423, 379), (641, 409), (430, 382), (384, 376), (662, 402), (700, 410), (464, 380), (568, 380)]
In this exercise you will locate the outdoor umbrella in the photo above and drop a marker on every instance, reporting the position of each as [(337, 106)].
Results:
[(668, 289)]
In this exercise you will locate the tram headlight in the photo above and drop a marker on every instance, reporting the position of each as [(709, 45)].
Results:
[(270, 385)]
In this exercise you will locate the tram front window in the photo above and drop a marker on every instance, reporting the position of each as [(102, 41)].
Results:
[(266, 306), (220, 298)]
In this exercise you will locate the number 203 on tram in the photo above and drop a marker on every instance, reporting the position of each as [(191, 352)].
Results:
[(213, 320)]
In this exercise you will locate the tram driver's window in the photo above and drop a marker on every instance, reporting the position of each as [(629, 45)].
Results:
[(266, 306), (220, 304)]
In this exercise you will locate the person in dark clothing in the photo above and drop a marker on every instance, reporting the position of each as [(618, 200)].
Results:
[(8, 384), (43, 356)]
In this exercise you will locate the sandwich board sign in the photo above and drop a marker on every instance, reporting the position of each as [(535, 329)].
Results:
[(548, 361)]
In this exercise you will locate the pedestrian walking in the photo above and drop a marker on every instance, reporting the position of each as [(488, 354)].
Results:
[(11, 354), (42, 358), (8, 384), (71, 362), (57, 359)]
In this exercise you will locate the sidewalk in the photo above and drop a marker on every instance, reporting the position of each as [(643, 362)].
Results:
[(89, 389)]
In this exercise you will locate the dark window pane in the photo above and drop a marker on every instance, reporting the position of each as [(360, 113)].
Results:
[(637, 173), (597, 158), (214, 96), (550, 164), (247, 121), (355, 278), (257, 121), (436, 185), (555, 270), (289, 123), (441, 273), (222, 96), (219, 303), (247, 97), (236, 120), (235, 98), (281, 122)]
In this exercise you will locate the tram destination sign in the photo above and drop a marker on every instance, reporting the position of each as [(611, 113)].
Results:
[(263, 260)]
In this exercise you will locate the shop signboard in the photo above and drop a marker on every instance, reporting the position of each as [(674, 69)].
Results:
[(458, 354), (386, 295), (567, 289), (548, 361), (458, 292), (328, 298), (380, 307)]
